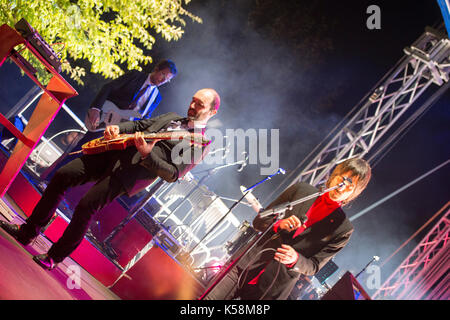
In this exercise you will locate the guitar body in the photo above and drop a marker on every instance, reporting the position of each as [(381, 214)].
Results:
[(100, 145), (112, 115)]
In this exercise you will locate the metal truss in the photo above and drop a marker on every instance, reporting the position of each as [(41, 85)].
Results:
[(425, 67), (424, 274)]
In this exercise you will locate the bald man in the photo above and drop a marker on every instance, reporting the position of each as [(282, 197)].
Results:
[(116, 173)]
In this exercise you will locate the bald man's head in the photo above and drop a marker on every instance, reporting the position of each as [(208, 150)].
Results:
[(204, 105), (214, 97)]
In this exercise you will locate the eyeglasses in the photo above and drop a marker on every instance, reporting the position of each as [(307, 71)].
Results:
[(348, 182)]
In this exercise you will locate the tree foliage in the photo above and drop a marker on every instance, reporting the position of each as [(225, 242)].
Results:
[(107, 33)]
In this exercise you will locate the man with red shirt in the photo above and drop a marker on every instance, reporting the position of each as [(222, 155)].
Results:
[(313, 232)]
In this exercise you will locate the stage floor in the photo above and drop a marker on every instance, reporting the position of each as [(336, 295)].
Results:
[(22, 279)]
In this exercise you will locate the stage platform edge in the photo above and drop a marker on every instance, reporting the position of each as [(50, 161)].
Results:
[(156, 276)]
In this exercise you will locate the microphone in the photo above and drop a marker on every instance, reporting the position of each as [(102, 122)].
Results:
[(251, 199), (374, 258)]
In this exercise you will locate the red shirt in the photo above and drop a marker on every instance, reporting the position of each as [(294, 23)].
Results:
[(320, 209)]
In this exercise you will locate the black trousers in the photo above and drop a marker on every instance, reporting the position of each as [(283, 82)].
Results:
[(235, 285), (84, 169)]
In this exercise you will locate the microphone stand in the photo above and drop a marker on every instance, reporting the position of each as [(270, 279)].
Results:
[(279, 211), (233, 206), (229, 199), (209, 172), (282, 208), (375, 258)]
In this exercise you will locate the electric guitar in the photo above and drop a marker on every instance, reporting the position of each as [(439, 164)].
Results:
[(124, 141), (111, 115)]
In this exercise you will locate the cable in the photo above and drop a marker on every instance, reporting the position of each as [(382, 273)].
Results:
[(247, 267), (64, 45), (273, 237)]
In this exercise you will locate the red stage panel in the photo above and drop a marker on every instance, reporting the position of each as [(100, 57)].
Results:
[(108, 217), (129, 241), (24, 194), (157, 277)]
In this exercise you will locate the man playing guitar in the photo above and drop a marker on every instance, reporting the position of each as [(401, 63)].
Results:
[(118, 172), (133, 96)]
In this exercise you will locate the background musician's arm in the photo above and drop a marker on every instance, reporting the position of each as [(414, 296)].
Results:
[(93, 115)]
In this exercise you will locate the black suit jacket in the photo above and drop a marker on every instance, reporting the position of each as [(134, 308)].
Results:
[(122, 90), (159, 162), (316, 245)]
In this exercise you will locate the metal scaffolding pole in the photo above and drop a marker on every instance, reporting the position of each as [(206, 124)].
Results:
[(424, 68), (424, 274)]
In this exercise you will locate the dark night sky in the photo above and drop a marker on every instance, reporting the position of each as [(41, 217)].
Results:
[(275, 82)]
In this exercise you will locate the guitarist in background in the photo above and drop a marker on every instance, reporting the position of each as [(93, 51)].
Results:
[(117, 172), (135, 95), (135, 91)]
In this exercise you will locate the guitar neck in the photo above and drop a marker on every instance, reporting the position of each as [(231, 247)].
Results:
[(160, 135), (195, 138)]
